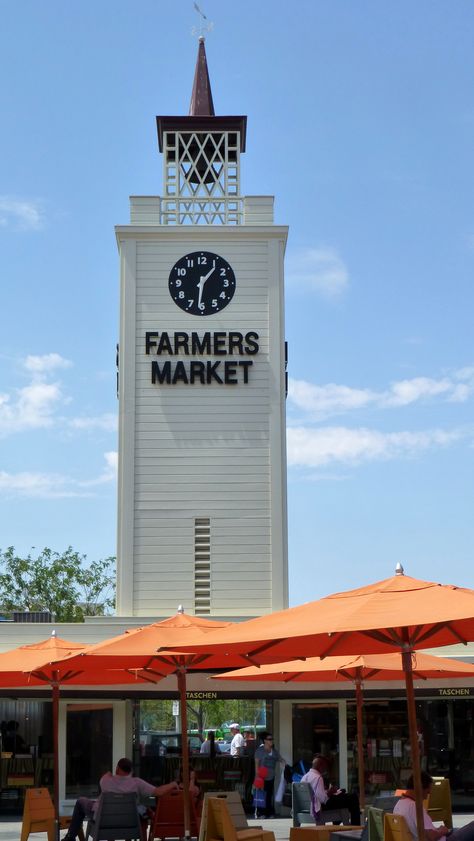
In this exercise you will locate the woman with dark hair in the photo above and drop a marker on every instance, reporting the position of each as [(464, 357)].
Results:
[(267, 756)]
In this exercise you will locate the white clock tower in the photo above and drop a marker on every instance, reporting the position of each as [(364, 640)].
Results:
[(202, 461)]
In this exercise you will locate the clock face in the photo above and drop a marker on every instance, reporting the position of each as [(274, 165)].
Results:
[(202, 283)]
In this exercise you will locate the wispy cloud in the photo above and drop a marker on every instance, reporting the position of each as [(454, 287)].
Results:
[(34, 405), (323, 401), (56, 485), (321, 270), (107, 422), (340, 445), (21, 214)]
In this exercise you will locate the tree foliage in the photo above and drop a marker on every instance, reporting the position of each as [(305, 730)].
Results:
[(63, 583)]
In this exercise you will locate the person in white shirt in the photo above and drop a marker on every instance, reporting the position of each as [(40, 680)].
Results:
[(238, 743), (406, 807)]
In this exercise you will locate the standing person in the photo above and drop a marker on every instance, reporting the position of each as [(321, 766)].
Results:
[(267, 756), (122, 782), (406, 807), (237, 744), (208, 748), (331, 797)]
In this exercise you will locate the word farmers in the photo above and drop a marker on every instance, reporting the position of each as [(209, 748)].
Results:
[(220, 343)]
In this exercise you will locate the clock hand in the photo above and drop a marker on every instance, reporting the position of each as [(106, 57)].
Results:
[(200, 286), (209, 273)]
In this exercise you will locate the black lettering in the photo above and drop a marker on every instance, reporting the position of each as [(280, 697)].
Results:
[(219, 344), (164, 345), (197, 371), (160, 375), (235, 343), (230, 373), (201, 345), (180, 375), (150, 342), (212, 372), (245, 364), (252, 343), (181, 342)]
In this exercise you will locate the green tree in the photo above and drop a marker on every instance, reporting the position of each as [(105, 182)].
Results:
[(63, 583)]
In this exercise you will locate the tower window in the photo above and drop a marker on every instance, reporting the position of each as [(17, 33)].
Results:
[(202, 566)]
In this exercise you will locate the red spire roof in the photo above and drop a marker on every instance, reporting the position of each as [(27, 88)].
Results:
[(201, 98)]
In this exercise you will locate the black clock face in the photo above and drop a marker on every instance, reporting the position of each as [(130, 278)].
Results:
[(202, 283)]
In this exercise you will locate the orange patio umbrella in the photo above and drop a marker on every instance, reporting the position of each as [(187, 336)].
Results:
[(142, 653), (29, 665), (396, 614), (358, 670)]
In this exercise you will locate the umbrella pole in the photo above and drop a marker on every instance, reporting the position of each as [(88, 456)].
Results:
[(415, 750), (360, 742), (185, 748), (55, 687)]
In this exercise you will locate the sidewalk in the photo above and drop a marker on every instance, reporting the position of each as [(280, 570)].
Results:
[(10, 830)]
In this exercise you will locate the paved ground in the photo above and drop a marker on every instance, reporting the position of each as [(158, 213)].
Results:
[(10, 829)]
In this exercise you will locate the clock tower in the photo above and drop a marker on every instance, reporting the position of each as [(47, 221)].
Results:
[(202, 458)]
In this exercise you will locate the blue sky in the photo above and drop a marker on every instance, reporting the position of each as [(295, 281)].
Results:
[(361, 122)]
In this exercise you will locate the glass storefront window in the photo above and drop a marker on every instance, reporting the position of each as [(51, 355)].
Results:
[(89, 731), (316, 730)]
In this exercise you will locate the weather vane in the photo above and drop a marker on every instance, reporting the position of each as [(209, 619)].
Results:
[(205, 25)]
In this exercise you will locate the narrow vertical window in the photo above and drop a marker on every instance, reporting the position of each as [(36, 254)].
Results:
[(202, 566)]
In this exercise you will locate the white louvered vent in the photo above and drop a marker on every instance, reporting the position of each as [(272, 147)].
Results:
[(202, 566)]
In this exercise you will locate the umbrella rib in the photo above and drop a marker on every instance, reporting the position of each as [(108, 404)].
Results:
[(439, 626), (143, 674)]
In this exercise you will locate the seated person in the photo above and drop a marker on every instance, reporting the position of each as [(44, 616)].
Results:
[(406, 807), (122, 782), (323, 798)]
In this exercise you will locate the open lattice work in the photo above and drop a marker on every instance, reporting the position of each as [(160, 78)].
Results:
[(202, 178)]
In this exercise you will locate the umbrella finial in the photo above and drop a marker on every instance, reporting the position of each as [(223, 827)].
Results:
[(180, 608), (53, 633), (399, 569)]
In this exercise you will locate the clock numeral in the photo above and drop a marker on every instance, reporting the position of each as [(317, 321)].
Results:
[(202, 260), (222, 295), (181, 272), (226, 282), (190, 302), (214, 302), (190, 263), (177, 283), (202, 306), (181, 294), (223, 271)]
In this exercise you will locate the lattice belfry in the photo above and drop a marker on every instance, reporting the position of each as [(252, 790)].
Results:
[(201, 178)]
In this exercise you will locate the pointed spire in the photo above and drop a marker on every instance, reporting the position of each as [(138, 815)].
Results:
[(201, 98)]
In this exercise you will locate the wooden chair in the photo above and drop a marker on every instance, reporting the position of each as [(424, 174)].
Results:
[(116, 818), (38, 815), (395, 828), (168, 820), (301, 807), (221, 828), (375, 823), (439, 805)]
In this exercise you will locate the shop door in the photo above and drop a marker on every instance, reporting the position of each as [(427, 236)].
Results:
[(316, 731), (89, 742)]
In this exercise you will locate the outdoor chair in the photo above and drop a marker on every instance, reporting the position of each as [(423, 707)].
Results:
[(301, 807), (221, 828), (386, 802), (38, 815), (395, 828), (236, 812), (168, 820), (375, 823), (439, 805), (116, 819)]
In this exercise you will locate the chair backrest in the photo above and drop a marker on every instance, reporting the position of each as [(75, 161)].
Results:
[(219, 823), (375, 823), (395, 828), (301, 797), (38, 813), (439, 802), (236, 811), (169, 817), (116, 817), (386, 802)]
